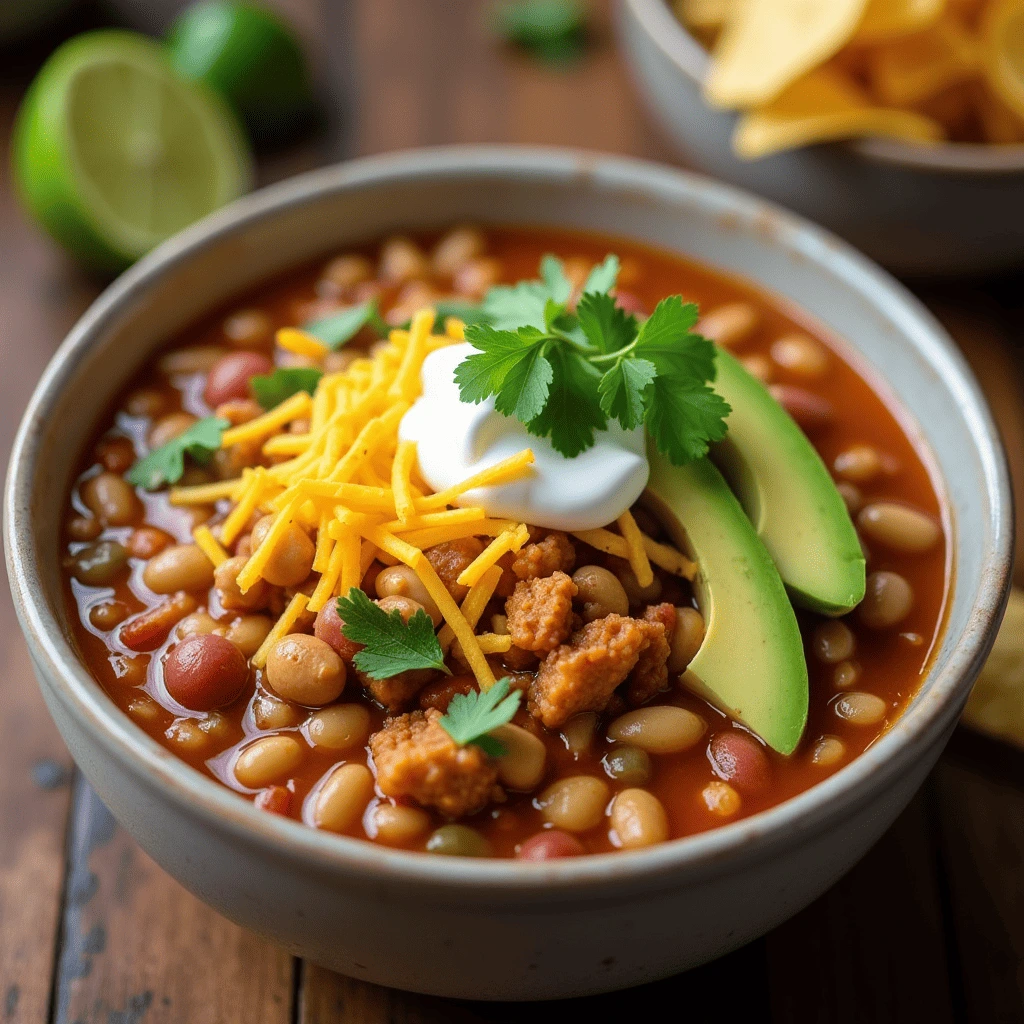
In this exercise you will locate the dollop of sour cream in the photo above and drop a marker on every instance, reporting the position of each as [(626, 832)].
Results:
[(455, 440)]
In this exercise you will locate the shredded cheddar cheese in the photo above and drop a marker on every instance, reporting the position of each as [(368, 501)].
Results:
[(209, 545), (638, 560), (302, 343), (508, 540), (288, 618), (473, 604), (294, 408), (348, 477)]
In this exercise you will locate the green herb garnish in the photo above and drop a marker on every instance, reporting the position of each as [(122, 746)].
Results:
[(565, 374), (471, 716), (552, 30), (164, 465), (272, 389), (338, 328), (391, 646)]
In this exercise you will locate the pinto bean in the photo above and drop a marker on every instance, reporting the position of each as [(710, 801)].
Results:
[(111, 499)]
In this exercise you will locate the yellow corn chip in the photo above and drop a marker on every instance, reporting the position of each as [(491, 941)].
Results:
[(769, 44), (996, 704), (911, 70), (824, 106), (1003, 52), (890, 19), (999, 124)]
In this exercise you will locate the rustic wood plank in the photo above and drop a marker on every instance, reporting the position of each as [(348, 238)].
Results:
[(40, 295), (976, 327), (136, 946), (873, 947), (980, 790), (431, 73)]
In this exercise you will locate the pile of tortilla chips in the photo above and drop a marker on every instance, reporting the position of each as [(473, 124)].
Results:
[(806, 71), (996, 704)]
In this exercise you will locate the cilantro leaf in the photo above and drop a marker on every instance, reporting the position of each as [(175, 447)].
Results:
[(272, 389), (509, 307), (391, 646), (573, 409), (471, 716), (684, 415), (524, 391), (164, 465), (623, 391), (552, 30), (509, 365), (602, 278), (467, 312), (606, 326), (552, 273), (667, 340), (338, 328), (565, 374)]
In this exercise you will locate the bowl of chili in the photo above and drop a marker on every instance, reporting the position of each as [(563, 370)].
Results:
[(401, 913)]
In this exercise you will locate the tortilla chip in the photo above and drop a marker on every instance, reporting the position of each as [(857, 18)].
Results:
[(890, 19), (913, 69), (996, 704), (769, 44), (1003, 52), (999, 123), (824, 106)]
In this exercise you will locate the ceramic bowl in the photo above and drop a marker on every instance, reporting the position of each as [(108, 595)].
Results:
[(919, 210), (502, 929)]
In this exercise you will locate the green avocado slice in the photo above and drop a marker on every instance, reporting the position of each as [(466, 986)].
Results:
[(751, 664), (789, 495)]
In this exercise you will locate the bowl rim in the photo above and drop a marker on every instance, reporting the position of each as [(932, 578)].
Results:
[(678, 44), (706, 854)]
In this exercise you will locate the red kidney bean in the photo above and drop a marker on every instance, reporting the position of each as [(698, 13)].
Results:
[(229, 378), (275, 799), (740, 759), (808, 409), (550, 845), (205, 671), (328, 627)]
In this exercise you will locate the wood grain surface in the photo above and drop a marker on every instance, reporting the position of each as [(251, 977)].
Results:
[(928, 927)]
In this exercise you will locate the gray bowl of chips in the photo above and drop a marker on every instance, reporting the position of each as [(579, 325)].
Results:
[(919, 207)]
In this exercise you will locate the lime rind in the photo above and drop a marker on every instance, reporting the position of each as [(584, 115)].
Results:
[(247, 54), (73, 163)]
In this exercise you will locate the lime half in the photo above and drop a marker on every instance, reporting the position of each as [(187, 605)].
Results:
[(113, 152), (250, 56)]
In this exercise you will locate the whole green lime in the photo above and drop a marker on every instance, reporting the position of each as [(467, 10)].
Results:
[(113, 152), (250, 56)]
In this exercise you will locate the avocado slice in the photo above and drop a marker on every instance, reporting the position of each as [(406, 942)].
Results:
[(751, 664), (789, 495)]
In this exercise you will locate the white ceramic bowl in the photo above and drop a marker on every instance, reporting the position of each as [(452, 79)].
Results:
[(502, 929), (949, 209)]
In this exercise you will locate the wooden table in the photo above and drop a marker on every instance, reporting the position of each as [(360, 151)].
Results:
[(929, 927)]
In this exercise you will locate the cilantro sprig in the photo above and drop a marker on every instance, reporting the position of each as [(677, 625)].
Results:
[(552, 30), (272, 389), (340, 328), (165, 465), (391, 646), (566, 373), (471, 716)]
